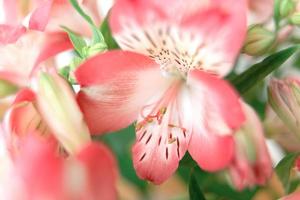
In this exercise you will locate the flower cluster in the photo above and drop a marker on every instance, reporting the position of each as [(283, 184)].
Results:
[(168, 68)]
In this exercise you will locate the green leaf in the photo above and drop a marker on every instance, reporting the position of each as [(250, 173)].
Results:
[(194, 189), (81, 12), (106, 32), (246, 80), (64, 72), (78, 42), (283, 169)]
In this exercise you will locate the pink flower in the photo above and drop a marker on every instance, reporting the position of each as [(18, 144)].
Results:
[(20, 58), (49, 15), (168, 80), (37, 130), (38, 172), (53, 110), (252, 163)]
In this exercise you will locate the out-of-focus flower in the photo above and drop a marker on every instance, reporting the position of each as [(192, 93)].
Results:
[(19, 59), (54, 13), (258, 41), (28, 129), (293, 196), (252, 163), (259, 11), (277, 130), (38, 172), (57, 111), (284, 96), (171, 82)]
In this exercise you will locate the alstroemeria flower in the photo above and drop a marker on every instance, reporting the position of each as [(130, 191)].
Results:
[(89, 172), (49, 15), (170, 83), (37, 172), (32, 112), (252, 163)]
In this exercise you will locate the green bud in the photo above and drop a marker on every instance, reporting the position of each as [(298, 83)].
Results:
[(284, 97), (286, 7), (7, 88), (295, 19), (258, 41), (60, 110)]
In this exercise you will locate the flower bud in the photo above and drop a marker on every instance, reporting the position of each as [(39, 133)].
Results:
[(295, 19), (61, 112), (7, 88), (258, 41), (286, 7), (284, 97), (251, 154)]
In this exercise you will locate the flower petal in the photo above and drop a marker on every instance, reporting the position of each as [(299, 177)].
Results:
[(150, 11), (293, 196), (216, 114), (48, 180), (10, 12), (252, 163), (146, 27), (116, 85), (40, 16), (162, 134), (101, 169), (10, 34), (226, 21)]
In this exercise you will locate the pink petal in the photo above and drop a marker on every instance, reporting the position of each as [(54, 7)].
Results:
[(147, 26), (54, 44), (10, 11), (63, 14), (293, 196), (21, 119), (162, 135), (150, 11), (10, 34), (25, 95), (101, 169), (116, 85), (40, 16), (225, 20), (47, 181), (248, 169), (216, 114)]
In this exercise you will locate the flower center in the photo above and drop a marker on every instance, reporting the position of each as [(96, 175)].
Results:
[(160, 123), (176, 51)]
